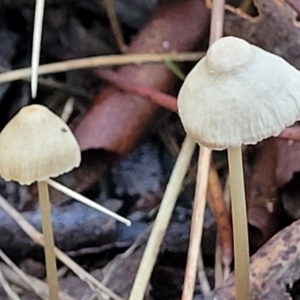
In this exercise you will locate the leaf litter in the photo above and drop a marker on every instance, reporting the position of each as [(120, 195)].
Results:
[(116, 122)]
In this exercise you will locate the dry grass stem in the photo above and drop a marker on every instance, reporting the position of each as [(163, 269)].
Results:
[(37, 37), (100, 61), (216, 31), (86, 201), (219, 273), (41, 288), (162, 220), (217, 20), (22, 275), (68, 109), (204, 283), (7, 288), (219, 208), (115, 25), (197, 223), (37, 237)]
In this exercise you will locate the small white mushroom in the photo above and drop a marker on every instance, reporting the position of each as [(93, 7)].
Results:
[(34, 146), (238, 94)]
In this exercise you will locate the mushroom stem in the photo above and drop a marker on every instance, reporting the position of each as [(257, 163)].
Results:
[(48, 240), (239, 219)]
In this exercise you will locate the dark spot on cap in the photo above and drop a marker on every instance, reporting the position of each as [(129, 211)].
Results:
[(64, 130)]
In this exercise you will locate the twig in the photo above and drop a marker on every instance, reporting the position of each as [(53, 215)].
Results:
[(40, 287), (21, 274), (221, 213), (162, 99), (204, 283), (216, 32), (162, 220), (86, 201), (68, 109), (115, 26), (37, 37), (37, 237), (97, 61), (197, 224), (8, 290), (219, 273)]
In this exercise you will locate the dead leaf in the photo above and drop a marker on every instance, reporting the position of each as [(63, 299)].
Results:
[(216, 201), (117, 121), (269, 168), (275, 29), (273, 269)]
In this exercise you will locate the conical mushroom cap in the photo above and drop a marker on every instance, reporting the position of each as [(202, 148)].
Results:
[(238, 94), (35, 145)]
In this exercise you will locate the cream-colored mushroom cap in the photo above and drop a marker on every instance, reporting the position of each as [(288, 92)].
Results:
[(238, 94), (35, 145)]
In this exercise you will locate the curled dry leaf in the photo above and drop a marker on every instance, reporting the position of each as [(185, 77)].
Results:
[(273, 270), (116, 120)]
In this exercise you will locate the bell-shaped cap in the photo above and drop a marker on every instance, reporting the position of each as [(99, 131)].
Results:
[(238, 94), (35, 145)]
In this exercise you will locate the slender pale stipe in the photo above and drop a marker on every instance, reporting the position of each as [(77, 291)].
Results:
[(48, 240), (239, 219)]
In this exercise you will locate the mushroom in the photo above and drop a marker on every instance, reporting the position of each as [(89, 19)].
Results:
[(34, 146), (238, 94)]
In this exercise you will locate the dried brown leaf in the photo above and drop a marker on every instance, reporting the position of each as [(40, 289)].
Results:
[(275, 29), (274, 268), (269, 168)]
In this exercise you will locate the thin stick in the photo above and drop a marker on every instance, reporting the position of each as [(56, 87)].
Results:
[(37, 37), (114, 24), (240, 228), (197, 224), (49, 240), (97, 61), (219, 208), (40, 287), (162, 220), (86, 201), (204, 283), (37, 237), (216, 32), (68, 109), (21, 274), (8, 290), (219, 273), (217, 21)]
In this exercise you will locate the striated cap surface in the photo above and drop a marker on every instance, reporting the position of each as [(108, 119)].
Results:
[(238, 94), (35, 145)]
